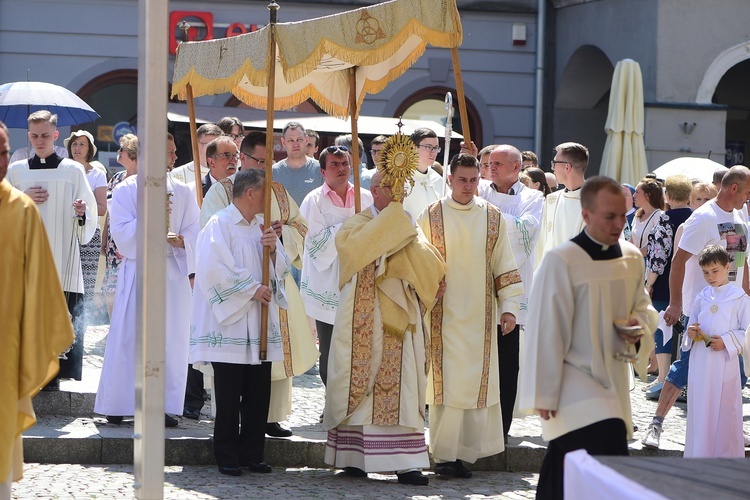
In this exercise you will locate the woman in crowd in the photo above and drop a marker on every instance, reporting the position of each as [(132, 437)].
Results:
[(649, 198), (659, 251), (127, 156), (81, 148), (534, 178)]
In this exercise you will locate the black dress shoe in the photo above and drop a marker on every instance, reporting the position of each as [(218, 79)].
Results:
[(114, 419), (276, 430), (170, 421), (414, 477), (354, 472), (261, 467), (454, 469), (230, 470), (191, 413)]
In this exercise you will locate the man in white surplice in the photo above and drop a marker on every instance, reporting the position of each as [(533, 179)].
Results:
[(522, 210), (64, 198), (325, 209), (225, 328), (572, 374), (561, 217), (116, 395)]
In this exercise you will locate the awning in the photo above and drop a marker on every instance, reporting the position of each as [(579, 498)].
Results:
[(323, 124)]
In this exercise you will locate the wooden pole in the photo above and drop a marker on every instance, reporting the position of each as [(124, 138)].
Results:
[(461, 97), (194, 140), (273, 7), (355, 136)]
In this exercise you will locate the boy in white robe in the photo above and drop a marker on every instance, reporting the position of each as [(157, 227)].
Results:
[(719, 316), (428, 184), (116, 395), (225, 328)]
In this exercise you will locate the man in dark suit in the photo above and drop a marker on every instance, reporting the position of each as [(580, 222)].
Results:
[(222, 157)]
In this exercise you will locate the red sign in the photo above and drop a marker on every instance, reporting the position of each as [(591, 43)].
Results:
[(202, 27)]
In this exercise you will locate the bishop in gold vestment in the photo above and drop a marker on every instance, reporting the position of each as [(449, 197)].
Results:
[(377, 369)]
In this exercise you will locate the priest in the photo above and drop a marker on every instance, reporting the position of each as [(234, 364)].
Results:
[(482, 279), (116, 395), (375, 398), (68, 208), (572, 372)]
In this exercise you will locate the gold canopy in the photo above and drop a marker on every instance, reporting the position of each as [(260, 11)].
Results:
[(314, 56)]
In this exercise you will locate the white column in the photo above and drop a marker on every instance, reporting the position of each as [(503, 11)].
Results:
[(152, 248)]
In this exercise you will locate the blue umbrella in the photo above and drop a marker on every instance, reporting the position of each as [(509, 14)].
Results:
[(19, 99)]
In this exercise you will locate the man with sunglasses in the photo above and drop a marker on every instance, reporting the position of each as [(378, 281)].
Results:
[(428, 184), (325, 209), (561, 216), (186, 173), (291, 229), (222, 158)]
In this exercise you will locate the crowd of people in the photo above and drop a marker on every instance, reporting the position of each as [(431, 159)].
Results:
[(471, 292)]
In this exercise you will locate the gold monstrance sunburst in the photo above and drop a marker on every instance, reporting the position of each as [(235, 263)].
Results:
[(398, 162)]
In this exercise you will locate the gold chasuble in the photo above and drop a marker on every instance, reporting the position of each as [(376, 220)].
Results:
[(36, 324), (377, 371), (481, 276)]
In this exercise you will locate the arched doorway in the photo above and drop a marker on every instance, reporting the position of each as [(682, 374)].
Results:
[(581, 103), (730, 90), (114, 95), (429, 104)]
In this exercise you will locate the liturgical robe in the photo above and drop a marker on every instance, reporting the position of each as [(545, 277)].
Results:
[(463, 388), (226, 320), (36, 325), (377, 369), (116, 394), (568, 362), (561, 220)]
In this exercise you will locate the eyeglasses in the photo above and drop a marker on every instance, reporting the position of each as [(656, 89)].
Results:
[(228, 156), (260, 161), (335, 149), (234, 136), (120, 150), (430, 149), (375, 151), (552, 163)]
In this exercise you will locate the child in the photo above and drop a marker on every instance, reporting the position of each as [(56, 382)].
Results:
[(722, 313)]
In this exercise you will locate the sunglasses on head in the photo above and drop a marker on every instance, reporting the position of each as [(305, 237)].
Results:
[(335, 149)]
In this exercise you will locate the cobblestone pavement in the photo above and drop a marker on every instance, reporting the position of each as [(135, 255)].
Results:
[(309, 394), (115, 481), (204, 482)]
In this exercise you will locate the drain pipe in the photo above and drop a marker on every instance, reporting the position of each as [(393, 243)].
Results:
[(541, 22)]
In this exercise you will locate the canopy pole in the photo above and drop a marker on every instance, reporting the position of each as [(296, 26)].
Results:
[(355, 136), (273, 8), (460, 95), (194, 140)]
